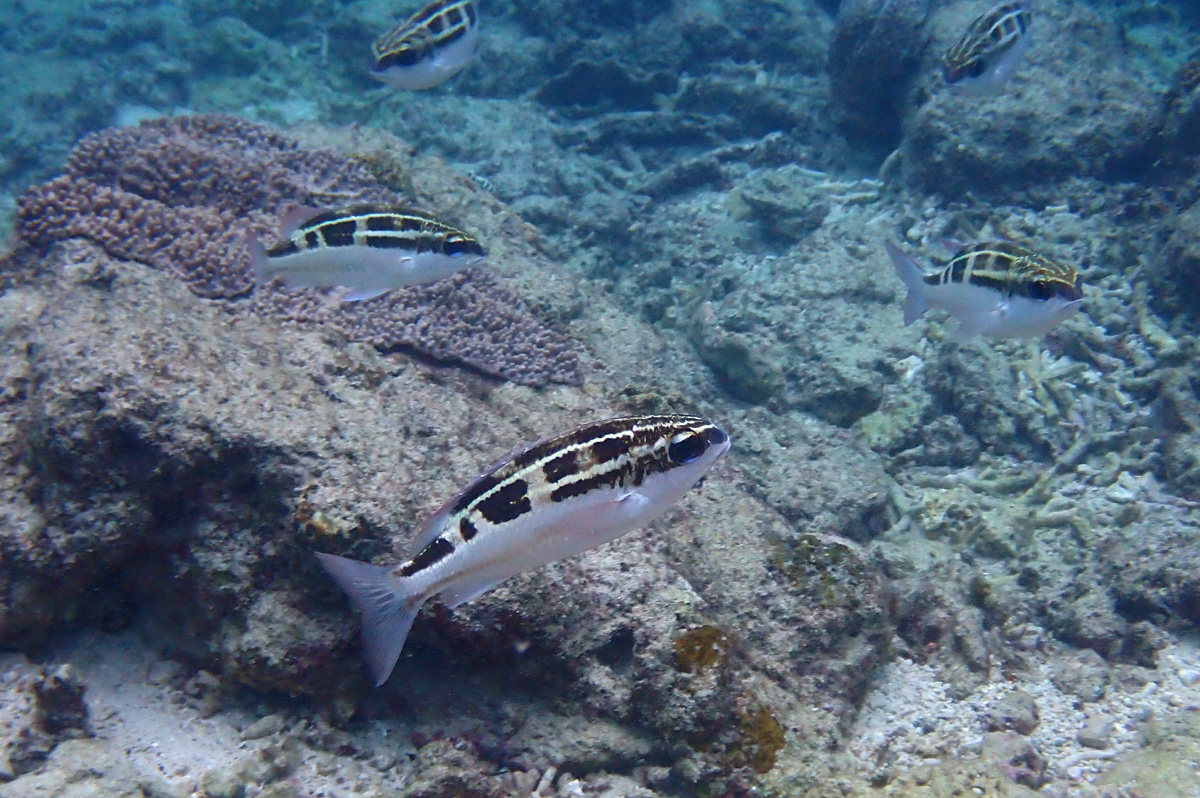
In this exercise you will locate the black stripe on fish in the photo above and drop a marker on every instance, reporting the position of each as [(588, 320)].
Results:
[(559, 468), (466, 530), (436, 551), (508, 503), (436, 25), (630, 474), (285, 247), (398, 58), (626, 434), (381, 222), (388, 242), (339, 234)]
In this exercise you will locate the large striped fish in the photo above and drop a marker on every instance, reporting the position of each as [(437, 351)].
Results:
[(554, 499)]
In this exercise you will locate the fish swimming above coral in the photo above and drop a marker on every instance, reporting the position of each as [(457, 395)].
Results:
[(986, 55), (430, 47), (368, 248), (997, 290), (554, 499)]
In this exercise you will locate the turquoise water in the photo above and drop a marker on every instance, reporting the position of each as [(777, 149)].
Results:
[(931, 562)]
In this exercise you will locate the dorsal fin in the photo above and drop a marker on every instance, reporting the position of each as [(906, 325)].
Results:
[(294, 219)]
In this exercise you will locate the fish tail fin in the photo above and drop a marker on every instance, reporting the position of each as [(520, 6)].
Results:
[(913, 277), (258, 259), (387, 608)]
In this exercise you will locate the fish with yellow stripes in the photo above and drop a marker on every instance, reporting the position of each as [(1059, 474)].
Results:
[(996, 289), (430, 47), (369, 249), (556, 498), (987, 53)]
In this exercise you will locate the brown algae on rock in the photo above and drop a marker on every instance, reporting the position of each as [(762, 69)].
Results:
[(761, 740), (700, 649)]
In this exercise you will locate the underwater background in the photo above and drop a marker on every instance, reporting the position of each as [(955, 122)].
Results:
[(929, 565)]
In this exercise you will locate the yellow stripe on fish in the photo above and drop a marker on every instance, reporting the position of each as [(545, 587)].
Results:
[(430, 47), (987, 53), (997, 289)]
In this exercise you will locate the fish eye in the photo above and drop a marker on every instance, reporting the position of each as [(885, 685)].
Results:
[(715, 436), (463, 246), (1037, 289), (686, 447), (976, 69)]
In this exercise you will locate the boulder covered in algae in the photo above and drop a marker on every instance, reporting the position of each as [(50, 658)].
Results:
[(170, 469)]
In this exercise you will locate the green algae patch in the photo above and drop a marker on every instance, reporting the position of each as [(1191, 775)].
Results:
[(826, 570), (762, 738), (701, 648)]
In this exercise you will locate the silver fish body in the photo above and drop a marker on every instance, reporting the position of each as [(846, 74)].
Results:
[(994, 289), (429, 48), (369, 249), (555, 499), (986, 55)]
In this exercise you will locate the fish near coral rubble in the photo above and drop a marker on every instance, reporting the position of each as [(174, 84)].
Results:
[(555, 499), (370, 249), (997, 290)]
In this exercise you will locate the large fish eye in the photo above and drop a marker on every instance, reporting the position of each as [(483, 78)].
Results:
[(976, 69), (1036, 289), (686, 447), (463, 246)]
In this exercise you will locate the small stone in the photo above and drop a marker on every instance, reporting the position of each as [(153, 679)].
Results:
[(1096, 732), (263, 727), (1016, 758), (1016, 711), (59, 706), (1189, 677)]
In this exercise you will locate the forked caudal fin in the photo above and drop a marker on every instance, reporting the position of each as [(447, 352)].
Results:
[(387, 609), (258, 258), (913, 277)]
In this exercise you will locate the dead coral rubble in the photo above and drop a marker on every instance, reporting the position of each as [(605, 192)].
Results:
[(180, 194)]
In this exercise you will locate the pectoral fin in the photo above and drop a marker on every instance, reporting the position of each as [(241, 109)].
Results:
[(362, 294)]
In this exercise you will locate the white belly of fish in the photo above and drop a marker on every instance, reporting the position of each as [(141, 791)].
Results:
[(364, 268), (546, 535), (987, 312), (443, 64)]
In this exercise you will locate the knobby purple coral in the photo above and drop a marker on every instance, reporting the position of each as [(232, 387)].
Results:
[(179, 194)]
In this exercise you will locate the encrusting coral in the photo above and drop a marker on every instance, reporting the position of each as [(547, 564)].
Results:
[(180, 194)]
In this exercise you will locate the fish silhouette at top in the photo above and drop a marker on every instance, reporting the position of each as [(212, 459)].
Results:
[(986, 55), (430, 47), (997, 290)]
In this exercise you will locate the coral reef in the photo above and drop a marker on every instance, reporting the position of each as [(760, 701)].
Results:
[(928, 567), (181, 194)]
